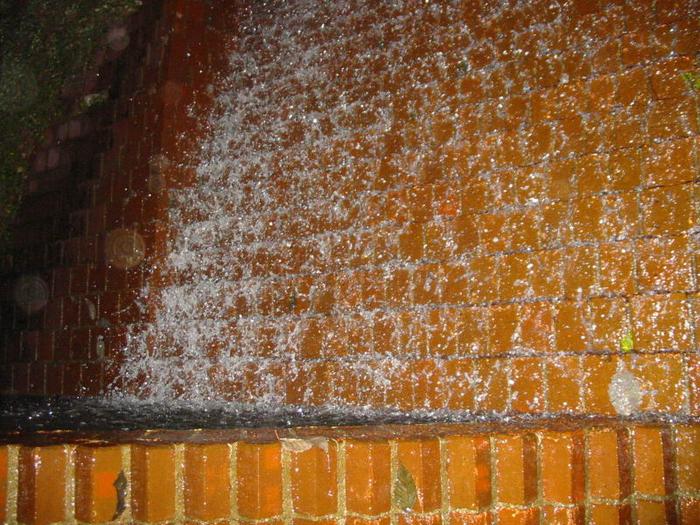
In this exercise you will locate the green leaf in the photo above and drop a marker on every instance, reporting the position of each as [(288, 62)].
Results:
[(627, 343), (405, 493), (692, 78)]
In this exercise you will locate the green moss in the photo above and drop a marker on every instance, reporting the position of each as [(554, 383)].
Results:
[(43, 44), (693, 79)]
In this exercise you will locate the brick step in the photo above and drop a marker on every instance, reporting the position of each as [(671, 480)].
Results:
[(609, 473)]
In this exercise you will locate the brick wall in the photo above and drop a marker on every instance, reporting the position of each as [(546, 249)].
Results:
[(89, 234), (461, 475), (486, 202), (439, 206)]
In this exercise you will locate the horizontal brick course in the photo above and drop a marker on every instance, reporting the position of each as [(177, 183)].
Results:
[(469, 475)]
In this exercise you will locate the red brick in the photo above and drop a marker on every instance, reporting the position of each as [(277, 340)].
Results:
[(368, 477), (153, 482), (314, 480), (605, 472), (259, 474), (664, 265), (42, 484), (468, 472), (562, 467), (207, 481), (669, 163), (422, 460), (688, 460), (96, 473), (661, 323), (516, 476)]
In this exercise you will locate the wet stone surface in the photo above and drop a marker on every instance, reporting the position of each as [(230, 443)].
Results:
[(94, 415)]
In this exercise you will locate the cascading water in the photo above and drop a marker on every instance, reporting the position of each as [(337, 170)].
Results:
[(333, 118), (291, 164)]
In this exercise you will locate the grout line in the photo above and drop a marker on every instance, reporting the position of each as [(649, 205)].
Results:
[(12, 484), (586, 478), (69, 501), (539, 481), (287, 504), (493, 467), (233, 482), (393, 473), (342, 510), (126, 469), (444, 481), (179, 482)]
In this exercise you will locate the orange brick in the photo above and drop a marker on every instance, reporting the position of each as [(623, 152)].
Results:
[(694, 383), (670, 163), (609, 323), (599, 371), (526, 380), (314, 480), (518, 516), (484, 272), (602, 463), (259, 475), (513, 277), (648, 461), (570, 329), (667, 209), (687, 457), (536, 327), (502, 327), (491, 388), (516, 469), (564, 381), (459, 392), (632, 89), (468, 472), (651, 511), (493, 232), (562, 467), (42, 484), (586, 220), (418, 519), (470, 518), (661, 322), (438, 241), (153, 482), (428, 282), (411, 242), (422, 460), (664, 265), (207, 481), (602, 514), (662, 378), (546, 273), (624, 170), (301, 521), (563, 515), (673, 118), (456, 284), (666, 78), (354, 520), (524, 229), (690, 511), (398, 287), (368, 477), (580, 271), (96, 473)]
